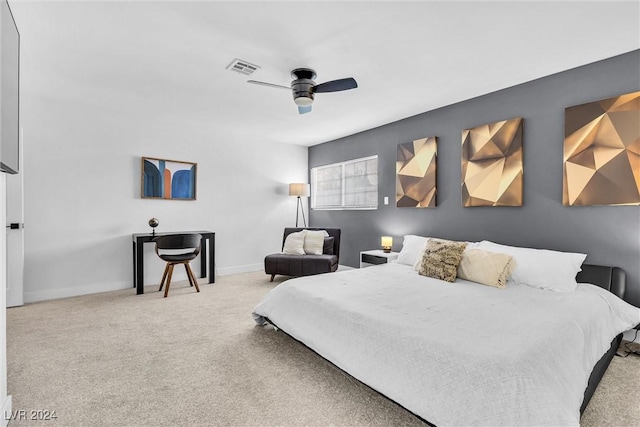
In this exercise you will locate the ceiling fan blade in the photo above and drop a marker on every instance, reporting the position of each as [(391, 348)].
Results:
[(255, 82), (304, 110), (336, 85)]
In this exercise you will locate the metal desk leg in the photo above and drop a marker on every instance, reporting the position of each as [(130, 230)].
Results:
[(134, 263), (212, 259), (203, 257), (139, 267)]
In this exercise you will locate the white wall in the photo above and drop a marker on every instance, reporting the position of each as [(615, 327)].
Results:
[(82, 194), (5, 400)]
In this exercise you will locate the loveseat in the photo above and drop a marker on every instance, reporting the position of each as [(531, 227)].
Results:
[(305, 265)]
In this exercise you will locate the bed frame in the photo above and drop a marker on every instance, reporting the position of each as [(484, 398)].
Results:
[(612, 279)]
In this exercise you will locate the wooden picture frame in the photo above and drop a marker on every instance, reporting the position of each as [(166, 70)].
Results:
[(168, 179)]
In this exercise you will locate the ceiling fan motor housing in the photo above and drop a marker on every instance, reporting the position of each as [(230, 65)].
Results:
[(303, 91), (303, 73), (302, 86)]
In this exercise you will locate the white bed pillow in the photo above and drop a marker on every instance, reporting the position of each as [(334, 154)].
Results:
[(541, 268), (412, 250), (314, 241), (294, 243)]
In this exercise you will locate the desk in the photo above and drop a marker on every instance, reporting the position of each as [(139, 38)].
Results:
[(139, 239)]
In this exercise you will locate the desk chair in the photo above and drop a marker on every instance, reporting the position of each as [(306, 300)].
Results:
[(171, 248)]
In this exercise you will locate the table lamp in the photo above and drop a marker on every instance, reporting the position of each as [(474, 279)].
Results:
[(386, 242)]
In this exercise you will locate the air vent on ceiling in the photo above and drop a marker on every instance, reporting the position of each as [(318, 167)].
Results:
[(242, 67)]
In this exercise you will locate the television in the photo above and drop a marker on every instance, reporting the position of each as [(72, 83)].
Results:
[(9, 91)]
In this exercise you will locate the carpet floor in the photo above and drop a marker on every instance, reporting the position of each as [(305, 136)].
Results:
[(120, 359)]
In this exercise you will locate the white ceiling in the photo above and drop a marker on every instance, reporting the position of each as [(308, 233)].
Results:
[(167, 60)]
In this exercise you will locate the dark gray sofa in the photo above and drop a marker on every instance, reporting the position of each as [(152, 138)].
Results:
[(304, 265)]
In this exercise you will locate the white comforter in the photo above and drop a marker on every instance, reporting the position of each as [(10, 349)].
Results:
[(455, 353)]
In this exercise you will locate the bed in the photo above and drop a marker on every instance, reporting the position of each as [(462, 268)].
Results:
[(461, 353)]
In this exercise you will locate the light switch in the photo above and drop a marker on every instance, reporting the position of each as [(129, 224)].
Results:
[(386, 200)]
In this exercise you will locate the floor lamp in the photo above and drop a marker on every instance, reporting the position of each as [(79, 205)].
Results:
[(299, 190)]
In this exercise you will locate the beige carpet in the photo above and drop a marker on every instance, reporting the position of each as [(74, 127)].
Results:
[(198, 359)]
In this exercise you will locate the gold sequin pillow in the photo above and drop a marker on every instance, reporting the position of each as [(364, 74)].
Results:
[(441, 259)]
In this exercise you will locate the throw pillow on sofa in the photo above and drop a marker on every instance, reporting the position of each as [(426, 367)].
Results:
[(314, 241), (294, 243), (328, 246)]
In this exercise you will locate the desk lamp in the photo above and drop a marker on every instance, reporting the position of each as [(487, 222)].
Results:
[(153, 223)]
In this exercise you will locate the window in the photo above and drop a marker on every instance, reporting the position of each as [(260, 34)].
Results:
[(347, 185)]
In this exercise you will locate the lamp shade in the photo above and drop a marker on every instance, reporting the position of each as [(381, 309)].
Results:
[(299, 189), (386, 242)]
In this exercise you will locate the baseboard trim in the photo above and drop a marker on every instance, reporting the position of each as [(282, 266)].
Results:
[(74, 292), (50, 294), (7, 408)]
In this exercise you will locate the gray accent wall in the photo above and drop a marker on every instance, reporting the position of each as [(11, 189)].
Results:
[(610, 235)]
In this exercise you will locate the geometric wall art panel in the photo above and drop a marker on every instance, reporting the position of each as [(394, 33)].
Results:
[(492, 164), (416, 174), (602, 152), (168, 179)]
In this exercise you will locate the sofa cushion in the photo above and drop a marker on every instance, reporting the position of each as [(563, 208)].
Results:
[(304, 265), (294, 243), (327, 248), (314, 241)]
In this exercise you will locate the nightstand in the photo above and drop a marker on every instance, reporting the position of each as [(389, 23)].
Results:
[(375, 257)]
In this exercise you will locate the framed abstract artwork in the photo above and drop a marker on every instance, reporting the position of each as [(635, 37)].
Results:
[(168, 179), (492, 172), (416, 174), (602, 152)]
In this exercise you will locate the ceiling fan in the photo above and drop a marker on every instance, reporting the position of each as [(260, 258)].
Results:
[(304, 88)]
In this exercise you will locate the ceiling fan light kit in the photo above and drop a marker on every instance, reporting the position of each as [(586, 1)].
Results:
[(304, 88), (303, 100)]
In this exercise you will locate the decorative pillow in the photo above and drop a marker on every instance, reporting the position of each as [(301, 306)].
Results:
[(314, 241), (487, 268), (411, 247), (541, 268), (327, 248), (421, 252), (294, 243), (418, 262), (441, 259)]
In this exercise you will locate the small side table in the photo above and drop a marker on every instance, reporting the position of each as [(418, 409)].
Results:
[(376, 257)]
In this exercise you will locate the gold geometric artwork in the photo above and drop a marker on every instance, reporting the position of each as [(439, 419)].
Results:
[(492, 164), (416, 174), (602, 152)]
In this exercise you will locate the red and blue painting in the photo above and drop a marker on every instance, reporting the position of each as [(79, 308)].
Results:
[(168, 179)]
